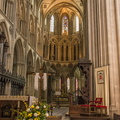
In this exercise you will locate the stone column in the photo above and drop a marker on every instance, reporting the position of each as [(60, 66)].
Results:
[(72, 53), (69, 52), (8, 88), (113, 56), (59, 53), (64, 53), (76, 52), (117, 8), (2, 38), (52, 52), (30, 84), (54, 85), (56, 52), (72, 86), (5, 53), (57, 84)]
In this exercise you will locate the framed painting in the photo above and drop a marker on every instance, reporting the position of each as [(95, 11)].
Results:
[(100, 76)]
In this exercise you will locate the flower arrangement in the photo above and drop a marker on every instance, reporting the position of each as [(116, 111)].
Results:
[(37, 111)]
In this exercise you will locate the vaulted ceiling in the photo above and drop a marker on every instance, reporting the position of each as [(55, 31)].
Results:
[(62, 6)]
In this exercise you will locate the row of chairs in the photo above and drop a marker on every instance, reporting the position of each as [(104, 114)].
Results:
[(95, 106)]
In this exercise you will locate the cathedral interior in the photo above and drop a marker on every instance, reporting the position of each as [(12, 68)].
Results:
[(61, 52)]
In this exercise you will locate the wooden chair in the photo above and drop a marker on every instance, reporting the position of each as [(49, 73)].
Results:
[(93, 104), (98, 106)]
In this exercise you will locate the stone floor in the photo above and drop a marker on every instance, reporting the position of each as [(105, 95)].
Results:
[(61, 112)]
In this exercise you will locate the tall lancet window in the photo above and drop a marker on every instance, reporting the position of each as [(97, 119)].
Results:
[(52, 24), (65, 25), (77, 23)]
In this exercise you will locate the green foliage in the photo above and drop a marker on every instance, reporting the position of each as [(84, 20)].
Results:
[(37, 111)]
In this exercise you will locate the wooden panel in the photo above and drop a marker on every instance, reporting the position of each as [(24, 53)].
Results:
[(116, 117), (54, 118), (75, 109)]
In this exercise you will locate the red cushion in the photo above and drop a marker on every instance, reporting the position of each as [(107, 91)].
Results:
[(85, 105), (101, 106), (93, 105)]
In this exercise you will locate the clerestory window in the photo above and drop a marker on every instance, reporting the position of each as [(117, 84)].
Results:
[(52, 24), (77, 24), (65, 25)]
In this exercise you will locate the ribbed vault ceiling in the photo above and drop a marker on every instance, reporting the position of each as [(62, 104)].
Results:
[(62, 6)]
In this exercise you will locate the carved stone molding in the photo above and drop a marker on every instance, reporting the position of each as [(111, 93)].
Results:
[(11, 30), (84, 66)]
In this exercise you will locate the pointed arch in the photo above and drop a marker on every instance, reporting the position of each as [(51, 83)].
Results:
[(37, 65), (4, 28), (30, 58), (53, 49), (75, 47), (52, 20), (30, 78), (65, 49), (65, 24), (18, 59), (4, 49)]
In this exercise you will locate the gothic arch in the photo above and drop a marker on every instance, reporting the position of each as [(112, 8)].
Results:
[(53, 40), (5, 42), (64, 47), (30, 74), (75, 39), (18, 59), (53, 49), (56, 6), (4, 28), (75, 48), (30, 58), (37, 65), (66, 32)]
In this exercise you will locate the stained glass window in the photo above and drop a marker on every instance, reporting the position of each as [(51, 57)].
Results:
[(65, 25), (52, 24), (68, 84), (76, 86), (77, 23)]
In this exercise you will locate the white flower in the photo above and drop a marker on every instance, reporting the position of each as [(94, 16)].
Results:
[(35, 114), (30, 119), (28, 110), (33, 102), (37, 107), (46, 114), (44, 106)]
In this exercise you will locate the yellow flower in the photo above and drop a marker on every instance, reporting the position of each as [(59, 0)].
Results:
[(32, 106), (35, 118), (38, 113), (30, 115)]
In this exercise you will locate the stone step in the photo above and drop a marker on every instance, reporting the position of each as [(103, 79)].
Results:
[(78, 117)]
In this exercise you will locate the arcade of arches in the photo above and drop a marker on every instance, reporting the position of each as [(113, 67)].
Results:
[(52, 48)]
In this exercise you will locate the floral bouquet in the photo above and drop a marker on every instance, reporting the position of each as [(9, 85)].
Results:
[(37, 111)]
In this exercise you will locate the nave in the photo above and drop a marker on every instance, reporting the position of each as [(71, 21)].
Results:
[(51, 50)]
